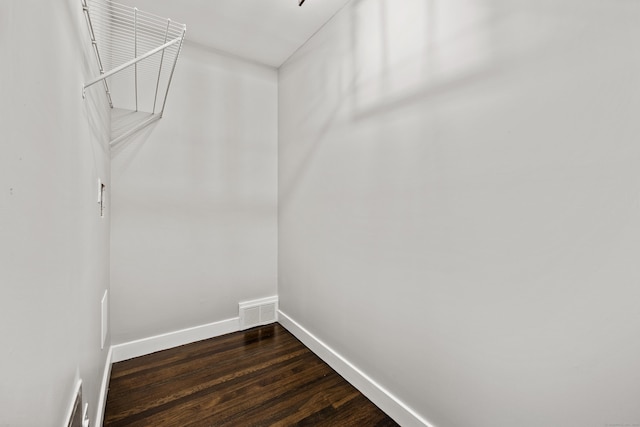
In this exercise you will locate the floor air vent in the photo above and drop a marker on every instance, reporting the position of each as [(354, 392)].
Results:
[(258, 312)]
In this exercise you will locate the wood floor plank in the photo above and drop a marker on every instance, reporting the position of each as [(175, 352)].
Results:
[(235, 401), (224, 396), (260, 377), (169, 392)]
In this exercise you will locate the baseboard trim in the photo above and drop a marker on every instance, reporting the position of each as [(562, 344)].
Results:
[(149, 345), (104, 389), (72, 404), (390, 404)]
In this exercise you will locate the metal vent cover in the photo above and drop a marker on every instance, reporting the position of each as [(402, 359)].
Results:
[(258, 312)]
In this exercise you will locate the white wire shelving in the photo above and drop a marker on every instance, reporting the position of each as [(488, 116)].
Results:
[(136, 53)]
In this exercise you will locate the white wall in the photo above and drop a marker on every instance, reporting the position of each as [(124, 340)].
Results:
[(459, 199), (53, 243), (194, 227)]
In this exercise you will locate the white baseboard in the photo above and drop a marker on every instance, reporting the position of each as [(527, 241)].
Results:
[(391, 405), (104, 388), (72, 402), (145, 346), (386, 401)]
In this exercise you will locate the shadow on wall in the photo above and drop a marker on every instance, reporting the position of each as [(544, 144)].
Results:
[(121, 122), (382, 59), (133, 144), (95, 113), (402, 55)]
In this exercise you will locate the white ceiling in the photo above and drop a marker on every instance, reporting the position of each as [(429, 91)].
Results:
[(266, 31)]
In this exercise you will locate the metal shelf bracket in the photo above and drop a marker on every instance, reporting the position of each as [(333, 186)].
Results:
[(136, 54)]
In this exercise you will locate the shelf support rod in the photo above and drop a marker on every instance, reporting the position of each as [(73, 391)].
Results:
[(181, 38), (94, 44), (135, 48), (132, 62), (166, 35)]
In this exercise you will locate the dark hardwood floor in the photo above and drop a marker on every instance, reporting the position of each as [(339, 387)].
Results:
[(260, 377)]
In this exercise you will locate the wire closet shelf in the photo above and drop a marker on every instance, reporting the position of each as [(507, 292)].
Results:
[(136, 53)]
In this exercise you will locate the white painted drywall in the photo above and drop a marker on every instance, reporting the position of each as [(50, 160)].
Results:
[(53, 242), (194, 206), (459, 199)]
